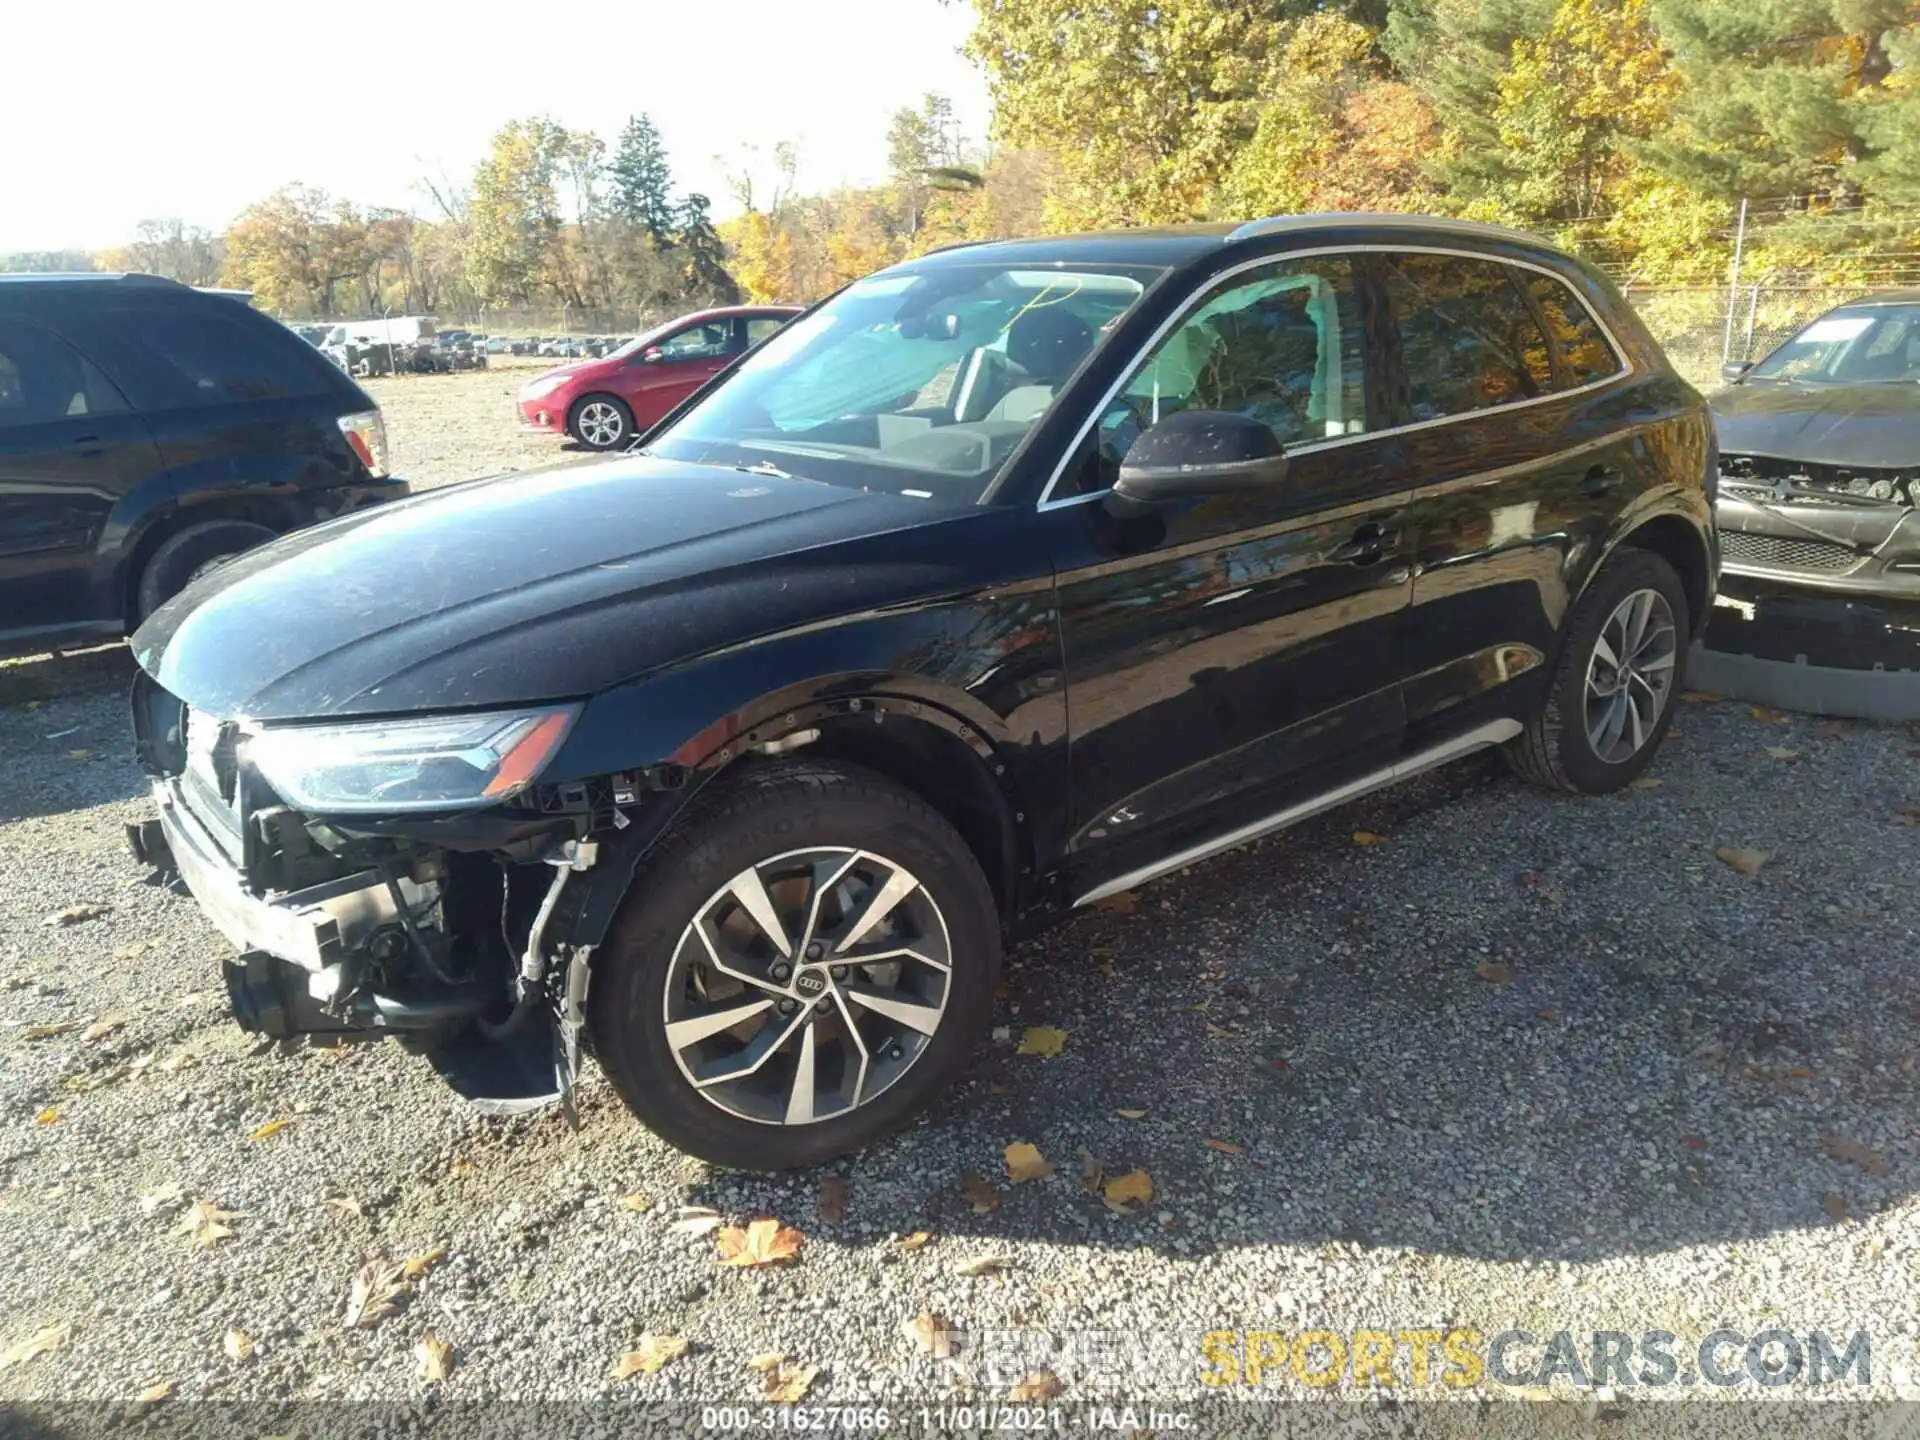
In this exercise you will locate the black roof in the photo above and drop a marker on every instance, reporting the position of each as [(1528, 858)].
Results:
[(86, 277)]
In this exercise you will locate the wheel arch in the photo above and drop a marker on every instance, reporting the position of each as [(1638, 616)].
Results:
[(255, 510), (1678, 541)]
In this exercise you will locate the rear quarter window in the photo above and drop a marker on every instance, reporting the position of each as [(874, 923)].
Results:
[(1586, 356), (212, 358)]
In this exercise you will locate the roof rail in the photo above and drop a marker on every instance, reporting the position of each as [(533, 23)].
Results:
[(1276, 224)]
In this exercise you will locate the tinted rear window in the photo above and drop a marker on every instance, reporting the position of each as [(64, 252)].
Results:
[(1585, 354), (218, 358), (1467, 339)]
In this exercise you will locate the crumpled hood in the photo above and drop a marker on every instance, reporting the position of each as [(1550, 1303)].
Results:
[(537, 586), (1876, 426)]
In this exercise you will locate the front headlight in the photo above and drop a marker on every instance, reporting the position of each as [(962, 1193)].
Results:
[(441, 762), (534, 389)]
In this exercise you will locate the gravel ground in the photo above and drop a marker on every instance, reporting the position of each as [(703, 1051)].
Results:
[(445, 428), (1527, 1063)]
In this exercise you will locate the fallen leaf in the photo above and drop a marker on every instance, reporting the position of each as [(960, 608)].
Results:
[(1742, 860), (984, 1265), (1129, 1192), (650, 1356), (1869, 1160), (268, 1130), (980, 1193), (1124, 903), (48, 1116), (1546, 1014), (1783, 754), (1025, 1162), (1766, 715), (832, 1199), (1131, 1114), (238, 1345), (434, 1356), (345, 1204), (155, 1393), (1908, 815), (378, 1288), (1836, 731), (76, 914), (1800, 1072), (131, 952), (48, 1032), (761, 1364), (46, 1341), (1645, 782), (158, 1199), (763, 1242), (1046, 1041), (79, 754), (1493, 972), (1368, 837), (1225, 1147), (1693, 1142), (1038, 1385), (420, 1263), (100, 1029), (1697, 697), (788, 1384), (639, 1202), (917, 1240), (695, 1224), (1836, 1208), (930, 1335)]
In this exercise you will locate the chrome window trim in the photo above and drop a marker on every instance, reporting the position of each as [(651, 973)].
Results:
[(1047, 502)]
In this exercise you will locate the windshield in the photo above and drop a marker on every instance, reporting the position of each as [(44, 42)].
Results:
[(921, 383), (1850, 346)]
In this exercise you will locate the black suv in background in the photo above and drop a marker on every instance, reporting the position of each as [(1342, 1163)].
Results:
[(1007, 579), (149, 432)]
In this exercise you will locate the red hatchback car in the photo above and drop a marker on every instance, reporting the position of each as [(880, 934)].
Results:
[(604, 403)]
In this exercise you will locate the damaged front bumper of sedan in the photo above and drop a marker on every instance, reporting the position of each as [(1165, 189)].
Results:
[(466, 936), (1845, 530)]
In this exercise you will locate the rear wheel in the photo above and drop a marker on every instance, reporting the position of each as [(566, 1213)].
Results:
[(184, 557), (805, 962), (601, 422), (1612, 696)]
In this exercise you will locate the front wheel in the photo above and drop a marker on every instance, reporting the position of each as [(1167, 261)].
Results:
[(1612, 695), (805, 962), (601, 422), (188, 554)]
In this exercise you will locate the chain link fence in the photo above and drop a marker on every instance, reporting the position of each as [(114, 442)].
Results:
[(1702, 326)]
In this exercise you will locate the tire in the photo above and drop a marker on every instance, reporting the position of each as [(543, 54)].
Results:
[(184, 555), (789, 814), (600, 422), (1558, 748)]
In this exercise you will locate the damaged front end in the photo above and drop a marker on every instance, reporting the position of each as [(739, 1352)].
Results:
[(1846, 529), (440, 896)]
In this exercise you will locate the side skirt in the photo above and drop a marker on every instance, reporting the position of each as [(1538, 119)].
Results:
[(1494, 732)]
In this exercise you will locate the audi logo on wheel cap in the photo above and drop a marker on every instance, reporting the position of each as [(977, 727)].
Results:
[(810, 982)]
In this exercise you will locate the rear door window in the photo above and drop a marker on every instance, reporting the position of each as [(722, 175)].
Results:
[(1586, 355), (43, 379), (220, 359), (762, 327), (706, 341), (1468, 340)]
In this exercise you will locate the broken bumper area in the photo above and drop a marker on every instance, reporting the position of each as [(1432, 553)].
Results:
[(335, 961), (1866, 549)]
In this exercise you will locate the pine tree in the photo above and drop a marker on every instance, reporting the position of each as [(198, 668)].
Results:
[(642, 181), (705, 252)]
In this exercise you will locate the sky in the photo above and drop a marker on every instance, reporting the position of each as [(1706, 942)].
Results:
[(195, 108)]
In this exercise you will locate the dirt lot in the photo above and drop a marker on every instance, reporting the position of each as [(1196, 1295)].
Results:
[(445, 428), (1529, 1063)]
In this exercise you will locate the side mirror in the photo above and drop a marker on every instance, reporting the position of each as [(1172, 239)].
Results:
[(1734, 371), (1200, 452), (652, 355)]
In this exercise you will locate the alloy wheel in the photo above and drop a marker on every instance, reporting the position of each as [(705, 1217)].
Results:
[(807, 985), (600, 424), (1630, 675)]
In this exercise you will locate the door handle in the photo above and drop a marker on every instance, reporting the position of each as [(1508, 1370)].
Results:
[(1368, 546), (87, 445), (1598, 480)]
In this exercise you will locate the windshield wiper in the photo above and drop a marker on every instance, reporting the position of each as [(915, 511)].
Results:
[(763, 467)]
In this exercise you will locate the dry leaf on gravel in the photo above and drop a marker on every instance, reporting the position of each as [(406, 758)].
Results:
[(1046, 1041), (1766, 715), (1908, 815), (76, 915), (434, 1357), (650, 1356), (1493, 972), (1782, 753), (100, 1029), (1741, 859), (1869, 1160), (1131, 1114), (930, 1335), (1645, 782), (639, 1202), (205, 1223), (155, 1393), (1225, 1147), (1125, 903), (979, 1192), (1836, 1208), (378, 1288), (1129, 1192), (42, 1343), (50, 1031), (1697, 697), (1038, 1385), (48, 1116), (1368, 837), (918, 1240), (763, 1242), (345, 1204), (1092, 1172), (268, 1130), (984, 1265), (788, 1384), (130, 952), (421, 1262), (695, 1220), (761, 1364), (832, 1199), (238, 1345), (1025, 1162)]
